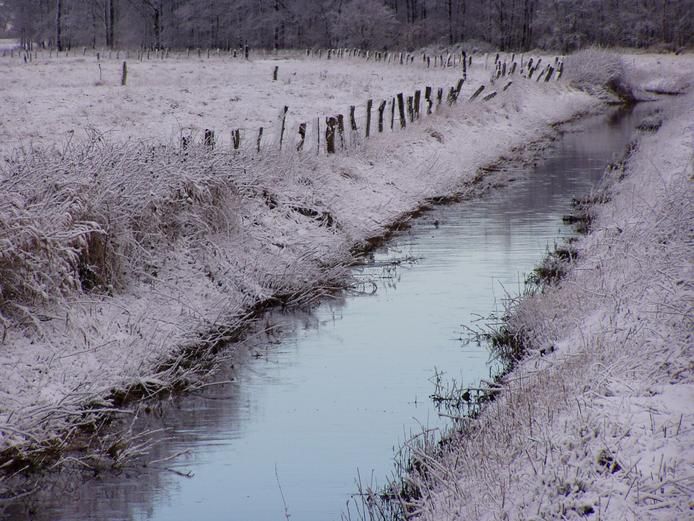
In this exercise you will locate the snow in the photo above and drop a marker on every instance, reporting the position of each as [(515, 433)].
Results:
[(604, 425), (224, 232), (164, 98)]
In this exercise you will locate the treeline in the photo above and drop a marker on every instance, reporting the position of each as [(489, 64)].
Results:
[(372, 24)]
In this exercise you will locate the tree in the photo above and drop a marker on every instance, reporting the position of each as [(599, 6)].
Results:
[(365, 24)]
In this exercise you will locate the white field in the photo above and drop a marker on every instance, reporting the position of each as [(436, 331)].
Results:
[(192, 243), (47, 100)]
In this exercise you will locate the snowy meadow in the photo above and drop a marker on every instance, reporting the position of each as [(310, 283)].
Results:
[(132, 249)]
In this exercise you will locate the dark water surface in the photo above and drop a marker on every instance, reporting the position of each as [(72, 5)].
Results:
[(329, 395)]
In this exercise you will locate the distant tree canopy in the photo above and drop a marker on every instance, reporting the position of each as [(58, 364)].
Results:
[(376, 24)]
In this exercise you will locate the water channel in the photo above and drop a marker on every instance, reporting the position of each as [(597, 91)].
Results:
[(329, 394)]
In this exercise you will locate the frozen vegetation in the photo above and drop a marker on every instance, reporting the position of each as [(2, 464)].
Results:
[(596, 420), (126, 260)]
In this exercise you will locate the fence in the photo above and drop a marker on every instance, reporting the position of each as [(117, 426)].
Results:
[(343, 131)]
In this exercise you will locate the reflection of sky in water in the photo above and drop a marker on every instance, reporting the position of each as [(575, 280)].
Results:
[(351, 380)]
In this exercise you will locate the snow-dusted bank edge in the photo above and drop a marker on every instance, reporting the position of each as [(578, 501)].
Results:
[(125, 266), (597, 419)]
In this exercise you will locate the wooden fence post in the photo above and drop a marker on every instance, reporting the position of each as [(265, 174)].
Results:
[(489, 96), (410, 108), (369, 105), (274, 73), (439, 97), (451, 96), (317, 129), (477, 93), (236, 138), (392, 113), (284, 121), (458, 88), (352, 119), (549, 73), (381, 108), (260, 137), (507, 86), (341, 130), (302, 137), (209, 138), (124, 74), (427, 98), (401, 110), (330, 123), (417, 102)]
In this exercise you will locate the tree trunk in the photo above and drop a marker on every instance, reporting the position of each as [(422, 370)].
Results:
[(58, 24), (110, 32)]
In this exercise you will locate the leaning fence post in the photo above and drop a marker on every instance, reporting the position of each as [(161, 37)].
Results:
[(489, 96), (392, 113), (369, 105), (401, 110), (284, 120), (549, 73), (458, 88), (477, 93)]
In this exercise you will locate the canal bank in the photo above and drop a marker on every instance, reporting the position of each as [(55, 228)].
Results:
[(596, 419), (320, 398)]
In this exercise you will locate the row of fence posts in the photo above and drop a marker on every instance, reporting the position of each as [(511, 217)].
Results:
[(140, 54), (446, 60), (501, 68), (403, 109)]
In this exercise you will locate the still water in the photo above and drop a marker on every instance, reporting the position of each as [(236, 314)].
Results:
[(327, 396)]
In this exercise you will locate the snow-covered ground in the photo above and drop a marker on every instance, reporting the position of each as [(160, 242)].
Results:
[(7, 44), (180, 246), (598, 420), (51, 98)]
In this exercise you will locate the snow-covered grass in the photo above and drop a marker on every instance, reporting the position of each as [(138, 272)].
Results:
[(126, 259), (597, 419), (49, 99)]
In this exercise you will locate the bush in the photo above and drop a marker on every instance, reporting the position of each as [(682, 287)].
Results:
[(598, 72)]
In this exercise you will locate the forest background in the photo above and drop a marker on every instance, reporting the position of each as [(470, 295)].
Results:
[(508, 25)]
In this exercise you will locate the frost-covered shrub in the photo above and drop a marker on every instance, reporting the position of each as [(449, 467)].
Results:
[(91, 216), (598, 72)]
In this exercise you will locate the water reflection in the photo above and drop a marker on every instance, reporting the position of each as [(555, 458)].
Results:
[(321, 396)]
